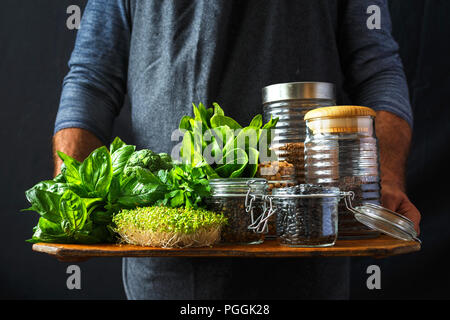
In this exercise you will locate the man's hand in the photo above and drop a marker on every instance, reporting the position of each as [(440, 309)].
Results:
[(393, 198), (75, 142), (394, 138)]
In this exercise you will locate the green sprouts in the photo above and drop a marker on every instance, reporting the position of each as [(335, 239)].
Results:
[(169, 227)]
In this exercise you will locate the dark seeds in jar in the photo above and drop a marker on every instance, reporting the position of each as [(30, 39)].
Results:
[(237, 231), (306, 221)]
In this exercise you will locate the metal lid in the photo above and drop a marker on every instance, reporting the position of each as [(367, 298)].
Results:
[(386, 221), (306, 191), (298, 90), (237, 187)]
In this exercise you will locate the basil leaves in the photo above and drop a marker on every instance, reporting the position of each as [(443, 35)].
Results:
[(79, 204)]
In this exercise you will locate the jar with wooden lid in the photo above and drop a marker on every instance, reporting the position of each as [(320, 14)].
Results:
[(341, 151)]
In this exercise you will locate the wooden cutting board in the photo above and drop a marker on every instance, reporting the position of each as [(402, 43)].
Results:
[(380, 247)]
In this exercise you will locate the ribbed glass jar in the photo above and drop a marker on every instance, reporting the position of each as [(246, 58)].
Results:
[(228, 197), (341, 151), (290, 102)]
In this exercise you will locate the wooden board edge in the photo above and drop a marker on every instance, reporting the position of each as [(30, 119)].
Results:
[(65, 254)]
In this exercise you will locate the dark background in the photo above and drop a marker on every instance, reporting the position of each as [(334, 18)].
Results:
[(34, 49)]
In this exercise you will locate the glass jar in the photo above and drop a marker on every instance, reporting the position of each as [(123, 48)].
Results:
[(229, 198), (289, 102), (307, 216), (341, 151)]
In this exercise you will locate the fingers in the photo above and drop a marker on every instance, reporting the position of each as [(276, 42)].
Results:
[(391, 200), (410, 211), (398, 201)]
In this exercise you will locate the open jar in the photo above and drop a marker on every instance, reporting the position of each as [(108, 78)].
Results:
[(229, 197), (307, 216), (341, 151)]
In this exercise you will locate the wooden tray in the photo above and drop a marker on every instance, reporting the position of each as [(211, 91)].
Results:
[(380, 247)]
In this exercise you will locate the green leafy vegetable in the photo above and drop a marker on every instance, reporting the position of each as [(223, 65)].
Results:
[(223, 147), (96, 173), (79, 204)]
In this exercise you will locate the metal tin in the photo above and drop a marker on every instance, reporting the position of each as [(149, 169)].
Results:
[(298, 90)]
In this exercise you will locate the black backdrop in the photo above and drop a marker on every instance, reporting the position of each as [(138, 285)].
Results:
[(35, 45)]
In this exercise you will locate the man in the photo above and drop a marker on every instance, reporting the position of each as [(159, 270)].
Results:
[(167, 54)]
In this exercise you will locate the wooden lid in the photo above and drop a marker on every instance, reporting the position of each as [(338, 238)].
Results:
[(340, 112)]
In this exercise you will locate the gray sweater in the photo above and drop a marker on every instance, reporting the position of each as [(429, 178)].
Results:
[(168, 53)]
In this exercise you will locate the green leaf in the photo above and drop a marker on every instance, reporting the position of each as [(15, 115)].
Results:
[(60, 178), (114, 190), (201, 116), (235, 162), (271, 124), (176, 198), (101, 216), (187, 148), (256, 122), (71, 170), (252, 167), (223, 135), (45, 203), (134, 193), (116, 145), (96, 172), (50, 228), (91, 202), (217, 109), (147, 177), (185, 123), (120, 158), (245, 139), (189, 154), (52, 186), (219, 120), (209, 114), (40, 235), (210, 172), (73, 212), (204, 115)]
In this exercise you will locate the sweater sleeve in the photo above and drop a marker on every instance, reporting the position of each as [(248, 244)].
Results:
[(95, 87), (371, 62)]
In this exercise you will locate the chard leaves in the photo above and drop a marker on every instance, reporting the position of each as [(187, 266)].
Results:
[(222, 137)]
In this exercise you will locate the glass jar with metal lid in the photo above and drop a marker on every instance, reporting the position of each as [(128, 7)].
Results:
[(229, 196), (289, 102), (307, 216), (341, 150)]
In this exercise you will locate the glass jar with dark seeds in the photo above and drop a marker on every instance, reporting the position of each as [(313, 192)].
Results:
[(307, 216), (228, 197)]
